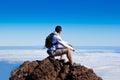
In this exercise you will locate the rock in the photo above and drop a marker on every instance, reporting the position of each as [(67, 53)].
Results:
[(52, 69)]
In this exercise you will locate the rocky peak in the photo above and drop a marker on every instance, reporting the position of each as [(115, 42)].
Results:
[(52, 69)]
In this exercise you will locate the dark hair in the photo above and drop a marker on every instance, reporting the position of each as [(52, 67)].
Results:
[(58, 29)]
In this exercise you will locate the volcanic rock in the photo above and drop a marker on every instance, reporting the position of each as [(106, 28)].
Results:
[(52, 69)]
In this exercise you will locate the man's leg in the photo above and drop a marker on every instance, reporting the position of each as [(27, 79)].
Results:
[(69, 56), (61, 47), (61, 52)]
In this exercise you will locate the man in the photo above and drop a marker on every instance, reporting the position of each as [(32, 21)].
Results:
[(60, 47)]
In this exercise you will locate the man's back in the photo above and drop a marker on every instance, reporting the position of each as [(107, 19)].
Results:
[(54, 50)]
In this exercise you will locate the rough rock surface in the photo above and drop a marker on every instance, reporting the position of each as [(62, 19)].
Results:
[(52, 69)]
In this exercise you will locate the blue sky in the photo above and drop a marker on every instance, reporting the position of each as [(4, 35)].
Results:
[(85, 23)]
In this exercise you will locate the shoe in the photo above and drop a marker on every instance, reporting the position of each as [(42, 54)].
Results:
[(74, 65), (62, 60)]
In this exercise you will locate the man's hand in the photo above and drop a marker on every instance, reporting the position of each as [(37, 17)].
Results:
[(73, 50), (70, 45)]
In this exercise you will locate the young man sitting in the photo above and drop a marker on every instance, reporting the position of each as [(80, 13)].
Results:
[(60, 47)]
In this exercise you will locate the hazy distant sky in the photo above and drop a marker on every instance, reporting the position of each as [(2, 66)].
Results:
[(84, 22)]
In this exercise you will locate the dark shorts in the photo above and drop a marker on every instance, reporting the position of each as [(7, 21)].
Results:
[(59, 52)]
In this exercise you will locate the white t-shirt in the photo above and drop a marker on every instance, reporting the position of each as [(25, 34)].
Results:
[(57, 41)]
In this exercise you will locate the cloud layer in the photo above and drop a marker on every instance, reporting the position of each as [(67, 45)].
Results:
[(106, 64)]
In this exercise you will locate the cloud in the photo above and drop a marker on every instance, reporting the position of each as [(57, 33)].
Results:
[(22, 55), (106, 64)]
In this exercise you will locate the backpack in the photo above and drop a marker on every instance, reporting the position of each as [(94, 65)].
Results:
[(48, 40)]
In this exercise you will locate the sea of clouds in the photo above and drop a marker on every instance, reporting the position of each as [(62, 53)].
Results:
[(105, 63)]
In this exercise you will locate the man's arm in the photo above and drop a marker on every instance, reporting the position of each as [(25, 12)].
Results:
[(60, 41)]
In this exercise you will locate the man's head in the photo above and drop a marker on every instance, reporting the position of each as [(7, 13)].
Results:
[(58, 29)]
